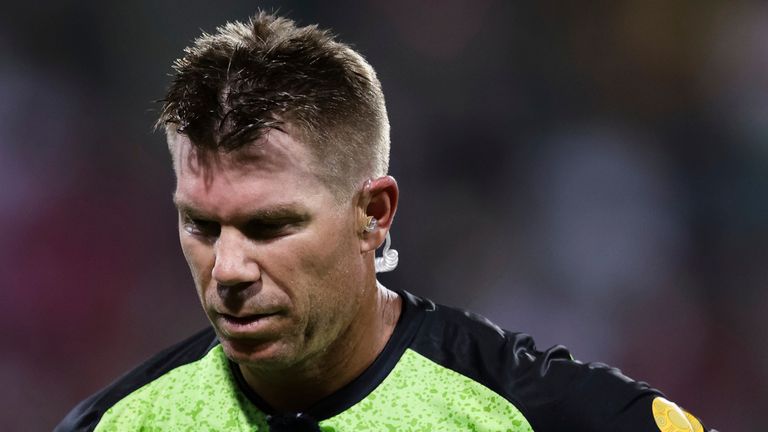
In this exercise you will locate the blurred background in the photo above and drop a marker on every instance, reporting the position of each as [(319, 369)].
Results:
[(593, 174)]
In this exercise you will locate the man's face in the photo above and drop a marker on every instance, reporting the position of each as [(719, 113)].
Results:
[(275, 258)]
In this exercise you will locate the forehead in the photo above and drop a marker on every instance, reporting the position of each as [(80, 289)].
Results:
[(276, 150), (272, 171)]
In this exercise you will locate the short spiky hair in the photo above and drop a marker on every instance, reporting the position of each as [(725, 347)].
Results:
[(246, 78)]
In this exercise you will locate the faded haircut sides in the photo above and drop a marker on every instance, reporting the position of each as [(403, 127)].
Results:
[(232, 86)]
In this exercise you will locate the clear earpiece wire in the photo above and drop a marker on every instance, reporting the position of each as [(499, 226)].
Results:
[(389, 259)]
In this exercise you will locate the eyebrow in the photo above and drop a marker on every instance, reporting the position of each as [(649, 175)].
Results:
[(279, 211)]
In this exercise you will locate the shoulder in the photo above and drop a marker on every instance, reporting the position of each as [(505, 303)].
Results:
[(552, 390), (474, 346), (87, 414)]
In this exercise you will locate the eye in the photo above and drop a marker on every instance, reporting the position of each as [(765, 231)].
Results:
[(201, 227), (265, 230)]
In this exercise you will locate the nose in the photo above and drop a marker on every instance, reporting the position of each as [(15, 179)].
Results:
[(234, 265)]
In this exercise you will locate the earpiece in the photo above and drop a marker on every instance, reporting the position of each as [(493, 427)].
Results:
[(389, 259), (370, 225)]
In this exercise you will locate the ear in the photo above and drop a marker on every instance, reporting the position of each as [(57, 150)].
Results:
[(378, 200)]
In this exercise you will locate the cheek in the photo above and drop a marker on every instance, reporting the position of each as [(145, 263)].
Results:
[(310, 266), (199, 259), (333, 264)]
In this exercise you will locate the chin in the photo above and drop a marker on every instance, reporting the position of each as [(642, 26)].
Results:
[(256, 353)]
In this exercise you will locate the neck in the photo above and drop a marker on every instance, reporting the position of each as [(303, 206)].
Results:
[(301, 386)]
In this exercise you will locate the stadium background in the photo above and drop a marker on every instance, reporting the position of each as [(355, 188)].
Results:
[(594, 174)]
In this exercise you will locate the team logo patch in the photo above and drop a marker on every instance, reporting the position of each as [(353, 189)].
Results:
[(671, 418)]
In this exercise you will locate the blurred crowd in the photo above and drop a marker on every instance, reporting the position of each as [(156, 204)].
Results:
[(590, 173)]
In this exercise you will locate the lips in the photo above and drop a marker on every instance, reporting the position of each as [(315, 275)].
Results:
[(246, 319), (246, 325)]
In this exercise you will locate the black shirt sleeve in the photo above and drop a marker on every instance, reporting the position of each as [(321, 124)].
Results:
[(553, 391)]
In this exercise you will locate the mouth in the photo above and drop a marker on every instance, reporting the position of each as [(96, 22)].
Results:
[(245, 319), (248, 326)]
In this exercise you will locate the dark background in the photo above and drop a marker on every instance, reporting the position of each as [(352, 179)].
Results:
[(592, 173)]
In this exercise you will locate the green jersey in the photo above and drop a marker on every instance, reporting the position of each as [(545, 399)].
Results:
[(443, 369)]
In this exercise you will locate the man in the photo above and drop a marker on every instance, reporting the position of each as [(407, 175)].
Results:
[(280, 144)]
